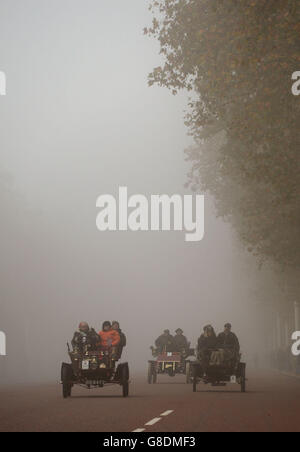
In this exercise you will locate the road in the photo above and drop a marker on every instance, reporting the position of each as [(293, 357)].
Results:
[(271, 404)]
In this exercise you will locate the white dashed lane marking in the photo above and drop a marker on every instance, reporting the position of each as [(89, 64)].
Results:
[(166, 413), (153, 421)]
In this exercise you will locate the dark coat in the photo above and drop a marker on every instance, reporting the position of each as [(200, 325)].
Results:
[(229, 340), (165, 343), (123, 340), (91, 339), (180, 342), (207, 342)]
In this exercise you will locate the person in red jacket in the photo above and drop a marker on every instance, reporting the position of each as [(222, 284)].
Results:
[(109, 337)]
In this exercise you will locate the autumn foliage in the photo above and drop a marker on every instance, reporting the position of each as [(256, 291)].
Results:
[(236, 57)]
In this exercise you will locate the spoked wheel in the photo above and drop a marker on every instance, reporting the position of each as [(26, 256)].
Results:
[(125, 381), (194, 378), (195, 384), (243, 377), (66, 381), (125, 387), (188, 373), (152, 375)]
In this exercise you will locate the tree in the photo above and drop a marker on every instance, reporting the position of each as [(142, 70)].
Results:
[(238, 59)]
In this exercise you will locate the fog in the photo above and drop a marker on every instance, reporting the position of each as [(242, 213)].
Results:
[(79, 121)]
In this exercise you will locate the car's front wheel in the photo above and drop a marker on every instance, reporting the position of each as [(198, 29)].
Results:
[(125, 381), (66, 382), (194, 378), (243, 377), (188, 372)]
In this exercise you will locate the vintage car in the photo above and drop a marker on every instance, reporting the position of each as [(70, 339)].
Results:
[(94, 369), (220, 373), (170, 363)]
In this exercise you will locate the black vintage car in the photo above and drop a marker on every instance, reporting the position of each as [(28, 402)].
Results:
[(220, 374), (94, 369)]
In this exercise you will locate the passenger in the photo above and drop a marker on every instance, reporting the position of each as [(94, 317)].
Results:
[(229, 345), (85, 337), (228, 340), (165, 342), (181, 343), (206, 344), (108, 336), (123, 341)]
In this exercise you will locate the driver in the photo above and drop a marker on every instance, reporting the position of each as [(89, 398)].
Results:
[(165, 342), (181, 343), (228, 340), (85, 336)]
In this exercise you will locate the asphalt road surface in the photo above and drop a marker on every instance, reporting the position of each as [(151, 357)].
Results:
[(271, 404)]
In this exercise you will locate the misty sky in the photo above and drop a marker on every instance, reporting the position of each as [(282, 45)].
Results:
[(78, 121)]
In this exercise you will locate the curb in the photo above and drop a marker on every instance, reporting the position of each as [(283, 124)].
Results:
[(290, 375)]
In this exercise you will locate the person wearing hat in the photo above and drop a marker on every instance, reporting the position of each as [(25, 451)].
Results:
[(228, 340), (180, 341), (165, 342), (85, 337)]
